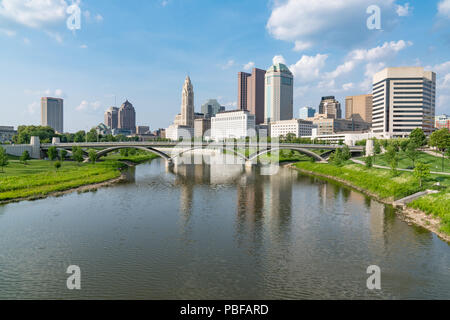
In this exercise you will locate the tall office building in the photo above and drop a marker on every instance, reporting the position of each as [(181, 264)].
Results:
[(279, 91), (330, 107), (127, 117), (404, 98), (242, 90), (52, 113), (306, 112), (211, 107), (359, 107), (187, 104), (255, 94), (112, 118)]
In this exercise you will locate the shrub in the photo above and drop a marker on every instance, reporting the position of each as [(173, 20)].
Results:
[(25, 157)]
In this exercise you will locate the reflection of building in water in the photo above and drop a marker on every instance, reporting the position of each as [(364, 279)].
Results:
[(225, 173), (327, 192), (185, 181), (279, 199)]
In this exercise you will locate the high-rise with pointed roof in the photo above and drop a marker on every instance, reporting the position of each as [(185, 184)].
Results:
[(127, 117), (187, 104)]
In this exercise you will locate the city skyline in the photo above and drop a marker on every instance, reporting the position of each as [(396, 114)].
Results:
[(78, 66)]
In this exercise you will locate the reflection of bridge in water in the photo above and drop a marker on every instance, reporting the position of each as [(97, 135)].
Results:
[(255, 150)]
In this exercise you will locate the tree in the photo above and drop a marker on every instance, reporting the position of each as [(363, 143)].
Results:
[(92, 155), (24, 134), (392, 158), (57, 165), (345, 153), (411, 152), (404, 144), (77, 154), (418, 137), (92, 136), (80, 136), (124, 152), (52, 153), (441, 140), (421, 172), (3, 158), (369, 162), (62, 154), (376, 149), (25, 157)]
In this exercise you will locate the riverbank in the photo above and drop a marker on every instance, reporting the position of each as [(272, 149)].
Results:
[(380, 185), (39, 179)]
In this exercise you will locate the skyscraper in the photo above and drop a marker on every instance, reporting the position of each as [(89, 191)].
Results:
[(255, 94), (112, 118), (52, 113), (211, 107), (127, 117), (187, 104), (404, 98), (359, 107), (279, 91), (242, 90), (306, 112), (330, 107)]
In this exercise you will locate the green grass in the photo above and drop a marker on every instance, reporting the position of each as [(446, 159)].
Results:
[(405, 163), (381, 183), (39, 178), (437, 205), (377, 181)]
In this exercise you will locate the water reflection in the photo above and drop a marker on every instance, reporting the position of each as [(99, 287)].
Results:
[(217, 232)]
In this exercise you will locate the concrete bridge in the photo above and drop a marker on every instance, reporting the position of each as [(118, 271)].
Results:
[(158, 148), (38, 150)]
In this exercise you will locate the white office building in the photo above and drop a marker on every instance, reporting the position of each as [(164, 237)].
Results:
[(404, 98), (175, 132), (234, 124), (279, 91), (298, 127)]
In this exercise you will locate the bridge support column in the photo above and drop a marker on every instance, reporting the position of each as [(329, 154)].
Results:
[(169, 164), (249, 165)]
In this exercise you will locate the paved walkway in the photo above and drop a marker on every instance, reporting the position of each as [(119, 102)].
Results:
[(388, 168)]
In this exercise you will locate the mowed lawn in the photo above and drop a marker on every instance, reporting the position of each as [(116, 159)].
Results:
[(40, 177), (404, 162)]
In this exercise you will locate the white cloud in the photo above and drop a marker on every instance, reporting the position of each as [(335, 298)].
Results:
[(84, 46), (387, 50), (444, 8), (404, 10), (33, 107), (308, 67), (249, 66), (300, 45), (85, 106), (228, 65), (7, 32), (442, 104), (98, 18), (56, 36), (26, 41), (34, 13), (326, 22), (341, 69), (278, 59), (347, 86)]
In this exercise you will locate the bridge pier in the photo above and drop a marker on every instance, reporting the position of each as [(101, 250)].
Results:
[(169, 164)]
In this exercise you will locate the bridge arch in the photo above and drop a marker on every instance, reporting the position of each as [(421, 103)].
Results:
[(317, 157), (104, 152), (218, 147)]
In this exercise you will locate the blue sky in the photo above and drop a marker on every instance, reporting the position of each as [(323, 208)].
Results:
[(143, 49)]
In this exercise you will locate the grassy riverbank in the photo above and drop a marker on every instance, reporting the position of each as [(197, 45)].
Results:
[(39, 178), (381, 184)]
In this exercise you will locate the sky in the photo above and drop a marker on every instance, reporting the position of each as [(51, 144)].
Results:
[(142, 50)]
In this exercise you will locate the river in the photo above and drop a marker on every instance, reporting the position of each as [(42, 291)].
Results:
[(217, 232)]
